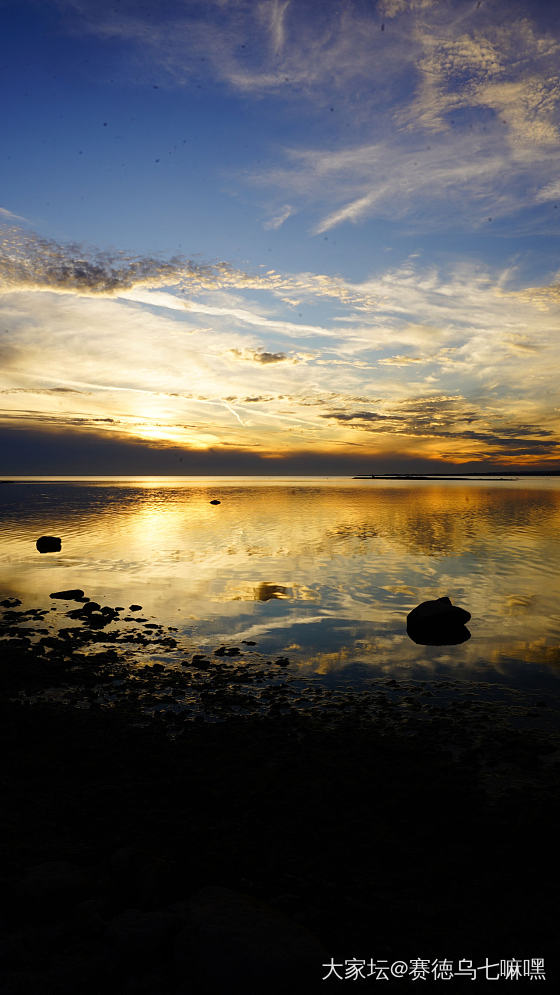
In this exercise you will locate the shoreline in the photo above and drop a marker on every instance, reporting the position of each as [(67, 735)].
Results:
[(148, 852)]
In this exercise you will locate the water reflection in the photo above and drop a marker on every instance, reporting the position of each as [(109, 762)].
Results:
[(328, 570), (266, 591)]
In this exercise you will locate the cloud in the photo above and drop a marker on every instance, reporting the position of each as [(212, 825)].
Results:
[(278, 220), (474, 96), (263, 358), (358, 416), (199, 357), (441, 417), (401, 360), (4, 213), (30, 261)]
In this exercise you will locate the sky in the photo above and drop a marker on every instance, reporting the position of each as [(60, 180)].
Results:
[(278, 236)]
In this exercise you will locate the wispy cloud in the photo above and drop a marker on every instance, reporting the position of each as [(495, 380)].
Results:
[(278, 220), (440, 100), (9, 215)]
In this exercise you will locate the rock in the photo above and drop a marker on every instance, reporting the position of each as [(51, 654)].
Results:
[(10, 603), (73, 595), (97, 620), (200, 661), (236, 938), (438, 623), (215, 501), (135, 608), (92, 606), (49, 544)]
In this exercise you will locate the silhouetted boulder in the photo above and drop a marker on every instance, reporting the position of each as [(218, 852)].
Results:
[(438, 623), (91, 606), (49, 544), (215, 501), (135, 608), (74, 595)]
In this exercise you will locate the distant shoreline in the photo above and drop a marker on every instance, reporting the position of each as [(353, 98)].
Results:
[(474, 475), (478, 476)]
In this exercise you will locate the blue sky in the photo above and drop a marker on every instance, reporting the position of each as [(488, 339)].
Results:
[(279, 233)]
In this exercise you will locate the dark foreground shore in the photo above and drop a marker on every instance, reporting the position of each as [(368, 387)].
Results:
[(150, 851)]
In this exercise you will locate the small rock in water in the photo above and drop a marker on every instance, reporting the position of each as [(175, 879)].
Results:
[(49, 544), (438, 623), (215, 501), (10, 603), (135, 608), (74, 595)]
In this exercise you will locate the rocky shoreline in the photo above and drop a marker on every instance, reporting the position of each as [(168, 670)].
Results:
[(184, 825)]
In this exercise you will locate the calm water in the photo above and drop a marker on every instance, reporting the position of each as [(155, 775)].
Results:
[(323, 569)]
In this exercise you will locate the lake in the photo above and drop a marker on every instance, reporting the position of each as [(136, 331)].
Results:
[(323, 570)]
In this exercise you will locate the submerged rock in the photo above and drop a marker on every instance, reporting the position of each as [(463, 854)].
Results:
[(438, 623), (49, 544)]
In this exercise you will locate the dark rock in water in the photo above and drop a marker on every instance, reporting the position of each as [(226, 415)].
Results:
[(10, 603), (97, 620), (200, 661), (73, 595), (438, 623), (215, 501), (90, 607), (49, 544), (135, 608)]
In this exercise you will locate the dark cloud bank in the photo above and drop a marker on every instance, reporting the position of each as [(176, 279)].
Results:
[(32, 452)]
